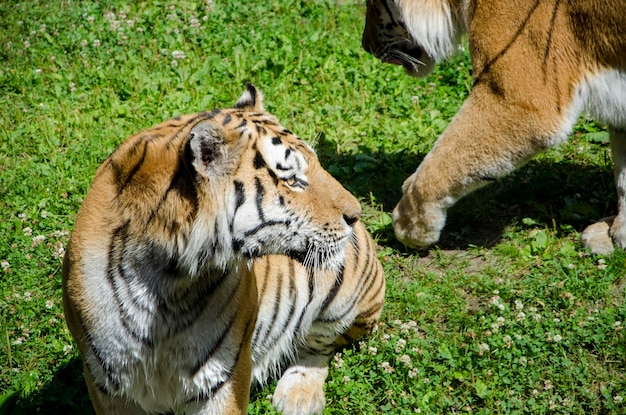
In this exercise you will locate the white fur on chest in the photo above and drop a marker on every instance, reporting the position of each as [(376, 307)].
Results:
[(167, 371), (604, 96)]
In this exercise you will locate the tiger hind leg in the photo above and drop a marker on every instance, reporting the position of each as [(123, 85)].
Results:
[(601, 237)]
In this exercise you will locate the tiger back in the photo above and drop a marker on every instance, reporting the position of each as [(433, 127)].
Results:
[(160, 279)]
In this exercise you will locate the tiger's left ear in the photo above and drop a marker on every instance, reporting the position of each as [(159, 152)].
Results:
[(209, 150), (251, 99)]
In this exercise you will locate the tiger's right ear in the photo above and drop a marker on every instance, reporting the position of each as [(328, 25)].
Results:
[(209, 150), (251, 99)]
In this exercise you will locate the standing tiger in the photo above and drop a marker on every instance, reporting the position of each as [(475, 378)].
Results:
[(190, 230), (537, 65)]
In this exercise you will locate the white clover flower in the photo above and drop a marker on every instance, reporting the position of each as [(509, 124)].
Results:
[(337, 361), (387, 367), (372, 350), (523, 361), (346, 379), (37, 240), (178, 54), (27, 231), (96, 43), (507, 340), (67, 349), (174, 63), (412, 373), (400, 344), (405, 360), (49, 304), (27, 296), (22, 217), (618, 399), (482, 348), (519, 305), (557, 338), (5, 265), (18, 341), (44, 214)]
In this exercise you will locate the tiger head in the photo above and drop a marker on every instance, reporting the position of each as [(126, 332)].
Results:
[(215, 188), (277, 197), (412, 33)]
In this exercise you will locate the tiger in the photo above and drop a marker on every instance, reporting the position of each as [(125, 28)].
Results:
[(536, 66), (213, 253)]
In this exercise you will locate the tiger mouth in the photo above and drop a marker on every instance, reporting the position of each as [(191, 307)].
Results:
[(406, 55), (319, 255)]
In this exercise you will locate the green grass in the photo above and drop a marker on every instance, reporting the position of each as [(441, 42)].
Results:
[(507, 314)]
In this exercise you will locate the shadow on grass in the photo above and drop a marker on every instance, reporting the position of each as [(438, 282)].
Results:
[(565, 195), (66, 393)]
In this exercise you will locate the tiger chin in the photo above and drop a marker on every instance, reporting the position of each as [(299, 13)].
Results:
[(213, 251), (536, 66)]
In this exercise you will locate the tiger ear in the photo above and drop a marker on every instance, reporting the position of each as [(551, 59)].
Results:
[(251, 99), (208, 148)]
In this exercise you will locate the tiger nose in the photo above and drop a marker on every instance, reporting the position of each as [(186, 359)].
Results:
[(351, 218)]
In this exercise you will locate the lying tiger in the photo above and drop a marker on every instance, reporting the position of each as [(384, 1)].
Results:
[(192, 229), (537, 65)]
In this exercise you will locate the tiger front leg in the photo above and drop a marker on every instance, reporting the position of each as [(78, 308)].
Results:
[(486, 140), (300, 390)]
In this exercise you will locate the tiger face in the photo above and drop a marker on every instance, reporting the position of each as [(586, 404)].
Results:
[(159, 283), (413, 34)]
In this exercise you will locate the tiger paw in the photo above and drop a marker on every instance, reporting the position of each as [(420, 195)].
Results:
[(597, 238), (300, 391)]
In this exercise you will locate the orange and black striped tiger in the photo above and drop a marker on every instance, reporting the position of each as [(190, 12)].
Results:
[(192, 229)]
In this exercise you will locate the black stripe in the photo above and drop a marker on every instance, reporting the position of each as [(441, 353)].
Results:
[(225, 332), (259, 163), (264, 225), (210, 394), (240, 196), (260, 193), (292, 270), (266, 328), (333, 292), (292, 301), (242, 124), (181, 184), (126, 181), (119, 242), (108, 371), (191, 307)]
